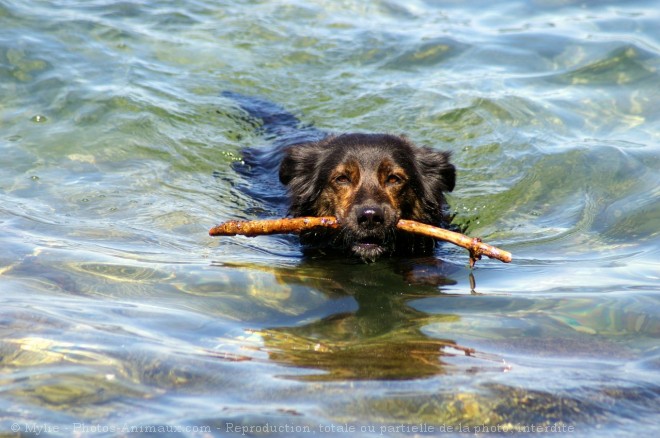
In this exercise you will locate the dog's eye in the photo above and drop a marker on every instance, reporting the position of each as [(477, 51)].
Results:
[(394, 180), (342, 179)]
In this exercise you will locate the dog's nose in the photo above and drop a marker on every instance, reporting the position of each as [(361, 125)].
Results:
[(371, 216)]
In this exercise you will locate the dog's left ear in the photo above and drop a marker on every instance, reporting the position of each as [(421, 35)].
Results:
[(438, 174)]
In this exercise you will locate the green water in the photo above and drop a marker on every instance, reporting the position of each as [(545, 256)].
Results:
[(120, 316)]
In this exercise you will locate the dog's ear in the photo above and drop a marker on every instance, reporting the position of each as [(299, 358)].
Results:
[(289, 167), (299, 171), (299, 162), (438, 174)]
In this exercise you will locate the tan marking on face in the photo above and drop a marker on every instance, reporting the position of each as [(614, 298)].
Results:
[(393, 180), (339, 193), (387, 183)]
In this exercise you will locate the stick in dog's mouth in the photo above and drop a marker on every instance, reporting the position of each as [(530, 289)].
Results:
[(474, 245)]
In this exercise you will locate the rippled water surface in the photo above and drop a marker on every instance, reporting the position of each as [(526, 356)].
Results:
[(120, 315)]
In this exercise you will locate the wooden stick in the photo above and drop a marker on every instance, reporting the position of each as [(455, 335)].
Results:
[(474, 245), (272, 226)]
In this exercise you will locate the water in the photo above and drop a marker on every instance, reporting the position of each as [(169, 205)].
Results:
[(119, 315)]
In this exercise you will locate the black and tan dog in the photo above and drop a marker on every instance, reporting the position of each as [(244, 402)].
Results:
[(367, 181)]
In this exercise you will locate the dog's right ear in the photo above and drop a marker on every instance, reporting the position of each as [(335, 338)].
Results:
[(299, 162), (299, 171), (303, 161), (290, 165)]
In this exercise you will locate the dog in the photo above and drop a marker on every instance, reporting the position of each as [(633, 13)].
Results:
[(367, 181)]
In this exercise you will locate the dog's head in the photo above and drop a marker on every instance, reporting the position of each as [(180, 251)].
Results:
[(369, 182)]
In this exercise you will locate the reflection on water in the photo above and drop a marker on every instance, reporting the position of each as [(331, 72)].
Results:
[(379, 339), (119, 151)]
